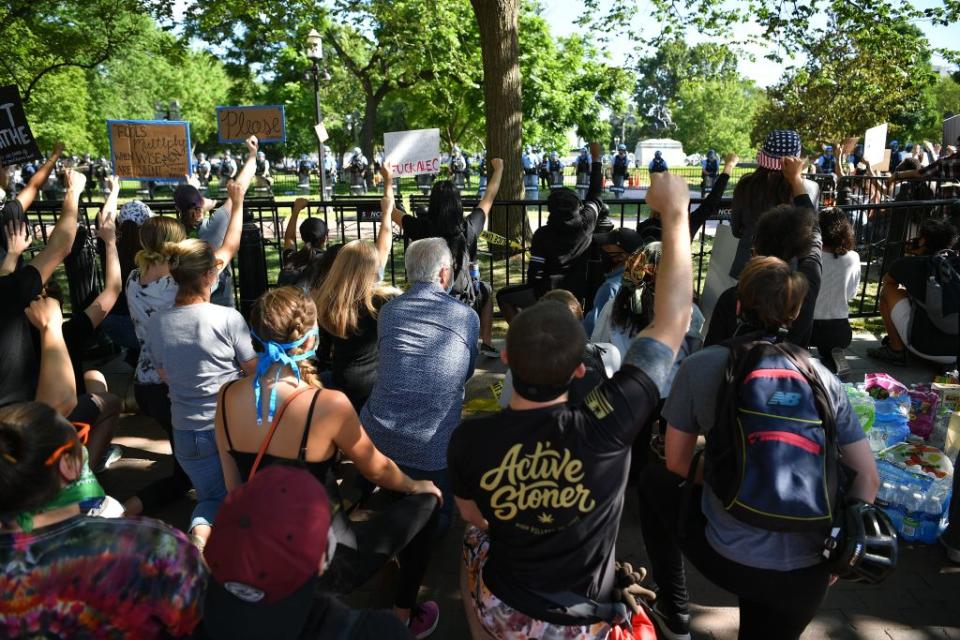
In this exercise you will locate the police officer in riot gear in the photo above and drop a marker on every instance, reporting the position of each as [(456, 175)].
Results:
[(658, 164), (620, 169)]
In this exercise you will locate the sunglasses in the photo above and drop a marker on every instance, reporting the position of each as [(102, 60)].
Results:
[(83, 434)]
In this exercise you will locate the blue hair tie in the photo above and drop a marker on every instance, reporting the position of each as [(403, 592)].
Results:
[(276, 353)]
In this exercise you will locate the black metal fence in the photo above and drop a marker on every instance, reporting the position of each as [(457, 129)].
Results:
[(882, 231)]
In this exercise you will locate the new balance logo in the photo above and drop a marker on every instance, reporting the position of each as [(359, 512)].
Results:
[(784, 399)]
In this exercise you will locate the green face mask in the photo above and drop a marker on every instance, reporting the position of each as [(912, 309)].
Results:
[(85, 487)]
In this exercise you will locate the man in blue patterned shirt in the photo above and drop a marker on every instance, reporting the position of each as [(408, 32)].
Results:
[(427, 342)]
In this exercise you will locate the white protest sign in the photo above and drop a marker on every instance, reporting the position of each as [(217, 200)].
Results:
[(411, 153), (874, 142), (951, 131)]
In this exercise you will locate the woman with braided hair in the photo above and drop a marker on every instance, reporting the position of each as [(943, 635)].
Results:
[(283, 415)]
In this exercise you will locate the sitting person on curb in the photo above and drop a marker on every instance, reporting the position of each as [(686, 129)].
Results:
[(68, 575), (445, 219), (841, 277), (911, 320), (788, 232), (193, 207), (778, 576), (541, 484), (559, 249), (273, 543), (283, 415)]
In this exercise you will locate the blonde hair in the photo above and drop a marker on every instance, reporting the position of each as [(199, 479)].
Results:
[(770, 293), (565, 297), (189, 261), (350, 286), (283, 315), (155, 233)]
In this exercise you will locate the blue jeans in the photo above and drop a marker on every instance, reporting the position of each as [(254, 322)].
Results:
[(196, 451)]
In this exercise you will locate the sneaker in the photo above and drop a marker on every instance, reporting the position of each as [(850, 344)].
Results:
[(424, 619), (488, 350), (671, 627), (888, 354), (953, 554), (840, 360), (113, 454)]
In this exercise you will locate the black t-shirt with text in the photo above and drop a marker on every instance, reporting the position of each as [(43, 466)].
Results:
[(550, 482)]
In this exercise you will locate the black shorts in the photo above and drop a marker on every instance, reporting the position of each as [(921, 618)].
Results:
[(87, 411)]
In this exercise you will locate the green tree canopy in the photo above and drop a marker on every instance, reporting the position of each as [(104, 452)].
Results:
[(716, 113)]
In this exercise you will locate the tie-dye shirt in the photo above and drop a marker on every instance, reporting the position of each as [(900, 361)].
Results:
[(98, 578)]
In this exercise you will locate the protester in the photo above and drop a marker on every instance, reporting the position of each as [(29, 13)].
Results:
[(349, 301), (282, 414), (911, 320), (16, 209), (445, 220), (428, 345), (841, 277), (944, 170), (265, 577), (616, 246), (779, 577), (196, 346), (600, 360), (46, 376), (559, 249), (541, 484), (765, 188), (192, 208), (72, 576), (150, 290), (297, 262), (788, 232)]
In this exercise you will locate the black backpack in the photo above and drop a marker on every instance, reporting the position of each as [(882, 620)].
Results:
[(942, 299), (772, 457)]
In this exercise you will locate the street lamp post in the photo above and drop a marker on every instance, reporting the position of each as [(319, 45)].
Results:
[(315, 54)]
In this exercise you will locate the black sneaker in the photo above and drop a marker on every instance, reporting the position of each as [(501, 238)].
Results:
[(671, 627), (888, 354), (489, 350)]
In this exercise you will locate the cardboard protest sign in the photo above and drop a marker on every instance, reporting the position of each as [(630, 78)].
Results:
[(411, 153), (951, 131), (17, 144), (874, 142), (236, 124), (883, 165), (157, 150)]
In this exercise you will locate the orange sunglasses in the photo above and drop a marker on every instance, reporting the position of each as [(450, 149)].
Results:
[(83, 434)]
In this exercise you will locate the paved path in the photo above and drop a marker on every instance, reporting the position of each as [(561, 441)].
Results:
[(920, 601)]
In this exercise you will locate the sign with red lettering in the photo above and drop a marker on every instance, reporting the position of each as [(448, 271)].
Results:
[(156, 150), (17, 144), (411, 153), (236, 124)]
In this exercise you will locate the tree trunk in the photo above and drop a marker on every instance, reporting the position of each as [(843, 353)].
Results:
[(497, 20), (369, 122)]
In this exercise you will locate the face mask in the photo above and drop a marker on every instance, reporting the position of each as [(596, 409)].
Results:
[(85, 489)]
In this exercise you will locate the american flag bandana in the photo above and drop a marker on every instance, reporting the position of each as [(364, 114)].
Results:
[(779, 143)]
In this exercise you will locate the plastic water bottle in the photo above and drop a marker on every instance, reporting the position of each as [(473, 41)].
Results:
[(886, 494), (475, 276), (930, 524), (895, 505), (913, 516)]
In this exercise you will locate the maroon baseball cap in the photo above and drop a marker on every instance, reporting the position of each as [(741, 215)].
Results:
[(264, 555)]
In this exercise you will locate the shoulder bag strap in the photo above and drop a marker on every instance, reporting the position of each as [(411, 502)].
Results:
[(273, 428)]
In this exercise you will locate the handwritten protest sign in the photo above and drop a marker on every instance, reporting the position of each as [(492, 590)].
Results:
[(16, 140), (157, 150), (236, 124), (411, 153), (874, 142)]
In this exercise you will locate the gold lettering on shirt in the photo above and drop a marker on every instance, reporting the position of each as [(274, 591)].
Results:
[(542, 480)]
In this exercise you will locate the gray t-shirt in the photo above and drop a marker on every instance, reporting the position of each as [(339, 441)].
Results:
[(213, 229), (692, 408), (199, 347)]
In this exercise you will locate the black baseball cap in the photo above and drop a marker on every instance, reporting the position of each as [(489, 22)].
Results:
[(627, 239)]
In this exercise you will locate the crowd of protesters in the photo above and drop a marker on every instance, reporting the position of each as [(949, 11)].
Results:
[(612, 379)]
